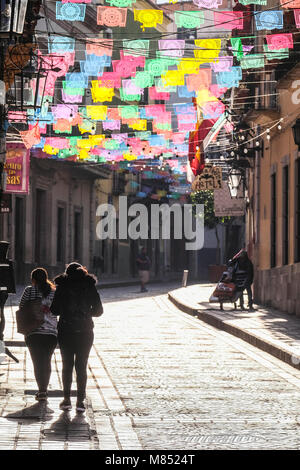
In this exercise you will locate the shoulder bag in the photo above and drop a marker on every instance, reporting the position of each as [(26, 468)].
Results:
[(30, 317)]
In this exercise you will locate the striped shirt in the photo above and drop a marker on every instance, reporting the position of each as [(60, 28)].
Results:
[(49, 326)]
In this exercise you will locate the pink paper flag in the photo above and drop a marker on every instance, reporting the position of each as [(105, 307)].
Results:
[(113, 114), (63, 111), (111, 125), (42, 126), (155, 110), (224, 64), (123, 69), (191, 117), (188, 127), (178, 138), (165, 117), (297, 17), (76, 1), (71, 98), (131, 88), (110, 80), (290, 5), (57, 142), (121, 138), (136, 144), (17, 116), (62, 125), (31, 137), (200, 81), (280, 41), (172, 47), (229, 19), (213, 108), (138, 61), (100, 47), (217, 91), (111, 16), (155, 95)]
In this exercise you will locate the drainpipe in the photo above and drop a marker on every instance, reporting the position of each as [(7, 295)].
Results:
[(3, 45), (257, 205)]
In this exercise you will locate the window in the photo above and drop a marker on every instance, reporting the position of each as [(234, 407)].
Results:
[(60, 234), (297, 210), (77, 235), (19, 229), (40, 226), (273, 220), (285, 215)]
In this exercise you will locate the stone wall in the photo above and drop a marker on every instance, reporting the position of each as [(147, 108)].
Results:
[(279, 288)]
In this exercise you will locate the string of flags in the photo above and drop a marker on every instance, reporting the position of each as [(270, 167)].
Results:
[(118, 77)]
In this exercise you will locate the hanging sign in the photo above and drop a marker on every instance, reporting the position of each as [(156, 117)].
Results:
[(5, 204), (226, 206), (16, 168), (210, 178)]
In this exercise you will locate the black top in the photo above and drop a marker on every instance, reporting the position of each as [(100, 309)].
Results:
[(143, 262), (76, 301), (242, 271)]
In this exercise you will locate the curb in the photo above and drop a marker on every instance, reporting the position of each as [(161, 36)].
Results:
[(267, 346), (135, 282)]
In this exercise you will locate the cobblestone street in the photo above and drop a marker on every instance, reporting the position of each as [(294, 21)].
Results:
[(158, 379)]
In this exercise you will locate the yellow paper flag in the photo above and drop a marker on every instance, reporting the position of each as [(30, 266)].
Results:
[(100, 94), (50, 150), (97, 112), (189, 66), (173, 78), (148, 18), (210, 50)]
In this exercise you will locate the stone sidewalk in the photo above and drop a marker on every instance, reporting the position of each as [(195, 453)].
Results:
[(272, 331)]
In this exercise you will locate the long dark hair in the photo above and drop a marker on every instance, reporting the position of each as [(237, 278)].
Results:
[(44, 285), (77, 272)]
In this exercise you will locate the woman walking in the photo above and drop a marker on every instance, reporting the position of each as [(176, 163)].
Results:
[(42, 341), (76, 301)]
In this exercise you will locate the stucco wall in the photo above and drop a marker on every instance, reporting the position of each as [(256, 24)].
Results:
[(279, 288)]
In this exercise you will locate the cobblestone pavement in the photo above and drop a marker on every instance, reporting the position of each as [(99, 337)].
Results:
[(158, 379)]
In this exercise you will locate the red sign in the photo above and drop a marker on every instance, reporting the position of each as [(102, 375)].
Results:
[(16, 168)]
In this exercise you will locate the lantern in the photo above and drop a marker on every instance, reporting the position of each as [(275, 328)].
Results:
[(235, 178)]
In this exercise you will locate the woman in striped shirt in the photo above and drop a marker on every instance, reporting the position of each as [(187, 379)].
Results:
[(42, 341)]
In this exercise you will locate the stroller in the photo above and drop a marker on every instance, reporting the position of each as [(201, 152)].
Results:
[(230, 286)]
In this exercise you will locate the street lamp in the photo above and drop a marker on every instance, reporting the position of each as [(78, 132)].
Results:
[(12, 17), (234, 180), (296, 132), (25, 96)]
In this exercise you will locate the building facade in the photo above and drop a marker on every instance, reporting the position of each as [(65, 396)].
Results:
[(273, 223)]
